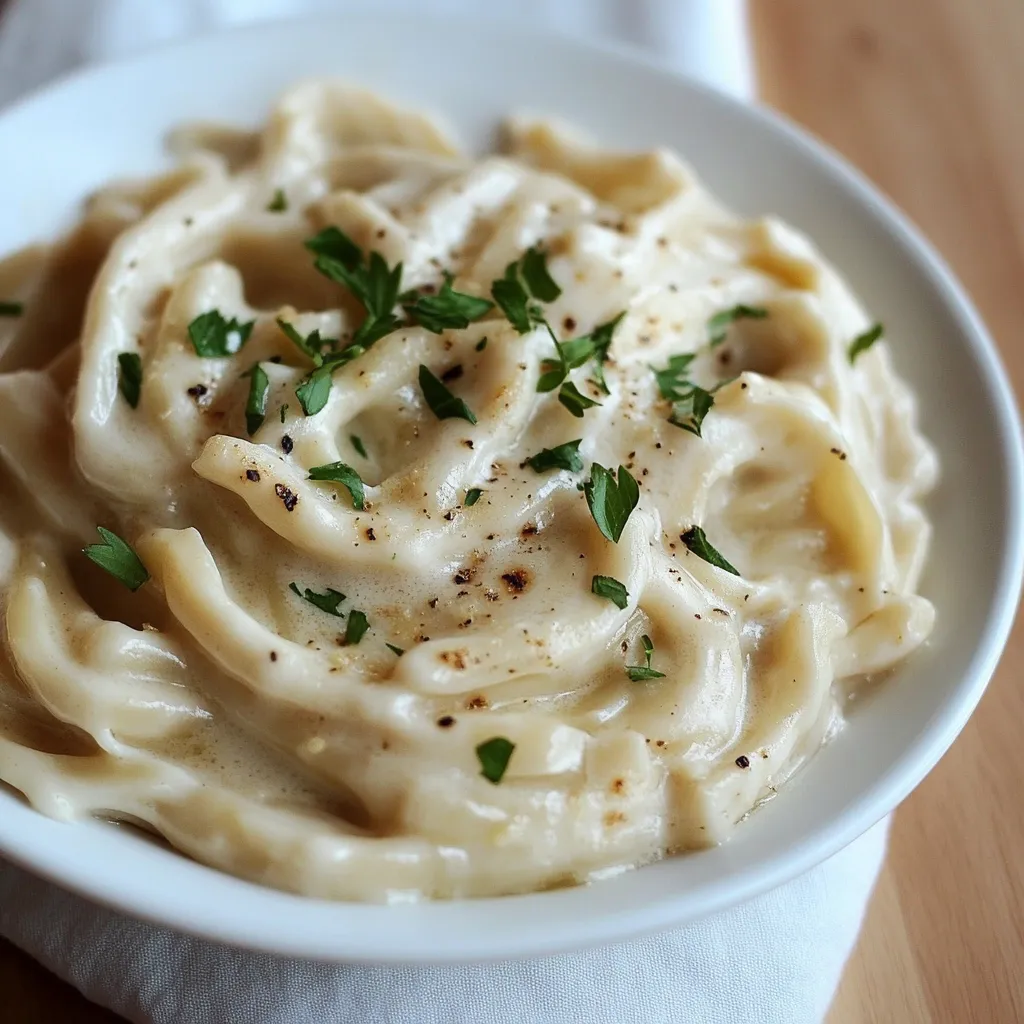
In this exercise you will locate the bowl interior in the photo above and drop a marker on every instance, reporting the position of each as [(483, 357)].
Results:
[(109, 122)]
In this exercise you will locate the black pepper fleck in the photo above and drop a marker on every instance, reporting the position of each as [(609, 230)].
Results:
[(253, 475), (289, 497), (743, 761), (287, 444)]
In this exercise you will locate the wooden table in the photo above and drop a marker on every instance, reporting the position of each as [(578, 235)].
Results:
[(926, 97)]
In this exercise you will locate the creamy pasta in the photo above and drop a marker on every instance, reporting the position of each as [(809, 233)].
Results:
[(471, 526)]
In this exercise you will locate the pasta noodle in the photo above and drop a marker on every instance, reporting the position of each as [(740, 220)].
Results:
[(437, 586)]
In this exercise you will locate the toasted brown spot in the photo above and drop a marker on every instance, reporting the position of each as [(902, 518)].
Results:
[(529, 530), (253, 475), (516, 580), (432, 602), (273, 655), (463, 575), (569, 323), (370, 535), (612, 818), (476, 702), (618, 786), (456, 659)]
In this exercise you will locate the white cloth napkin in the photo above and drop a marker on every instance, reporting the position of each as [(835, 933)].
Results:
[(775, 960)]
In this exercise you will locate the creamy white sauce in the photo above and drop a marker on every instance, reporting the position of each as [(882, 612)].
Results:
[(219, 708)]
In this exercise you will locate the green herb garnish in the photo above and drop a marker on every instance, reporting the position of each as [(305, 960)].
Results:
[(256, 404), (356, 628), (374, 284), (284, 411), (481, 345), (11, 309), (637, 673), (357, 443), (472, 496), (118, 558), (718, 325), (562, 456), (442, 402), (339, 473), (129, 377), (395, 649), (326, 602), (601, 336), (569, 395), (312, 346), (533, 266), (279, 203), (494, 755), (314, 390), (673, 381), (696, 540), (864, 341), (213, 337), (525, 279), (690, 410), (447, 309), (611, 588), (611, 502)]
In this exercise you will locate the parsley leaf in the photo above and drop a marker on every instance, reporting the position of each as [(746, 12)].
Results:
[(526, 278), (118, 558), (314, 390), (256, 405), (129, 377), (494, 755), (571, 354), (395, 649), (569, 395), (279, 203), (673, 381), (472, 496), (374, 284), (339, 473), (11, 309), (448, 308), (562, 456), (311, 346), (689, 411), (611, 503), (864, 341), (357, 443), (356, 628), (326, 602), (601, 336), (696, 540), (718, 325), (213, 337), (611, 588), (442, 402), (638, 673)]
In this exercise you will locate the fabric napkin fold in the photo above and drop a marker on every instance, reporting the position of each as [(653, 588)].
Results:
[(775, 960)]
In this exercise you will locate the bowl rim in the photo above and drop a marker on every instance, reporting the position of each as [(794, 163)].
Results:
[(850, 822)]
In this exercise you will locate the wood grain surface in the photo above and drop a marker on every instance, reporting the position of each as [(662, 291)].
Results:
[(926, 97)]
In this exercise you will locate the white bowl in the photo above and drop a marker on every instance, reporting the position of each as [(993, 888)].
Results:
[(68, 139)]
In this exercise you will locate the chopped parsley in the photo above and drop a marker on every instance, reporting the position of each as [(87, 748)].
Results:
[(326, 602), (395, 649), (357, 443), (696, 540), (314, 390), (611, 588), (525, 279), (129, 377), (213, 337), (864, 341), (339, 473), (611, 502), (312, 346), (472, 496), (576, 402), (11, 309), (562, 456), (279, 203), (374, 284), (481, 345), (601, 336), (356, 627), (442, 402), (118, 558), (638, 673), (284, 411), (447, 309), (576, 352), (718, 325), (256, 404), (673, 382), (691, 409), (494, 755)]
